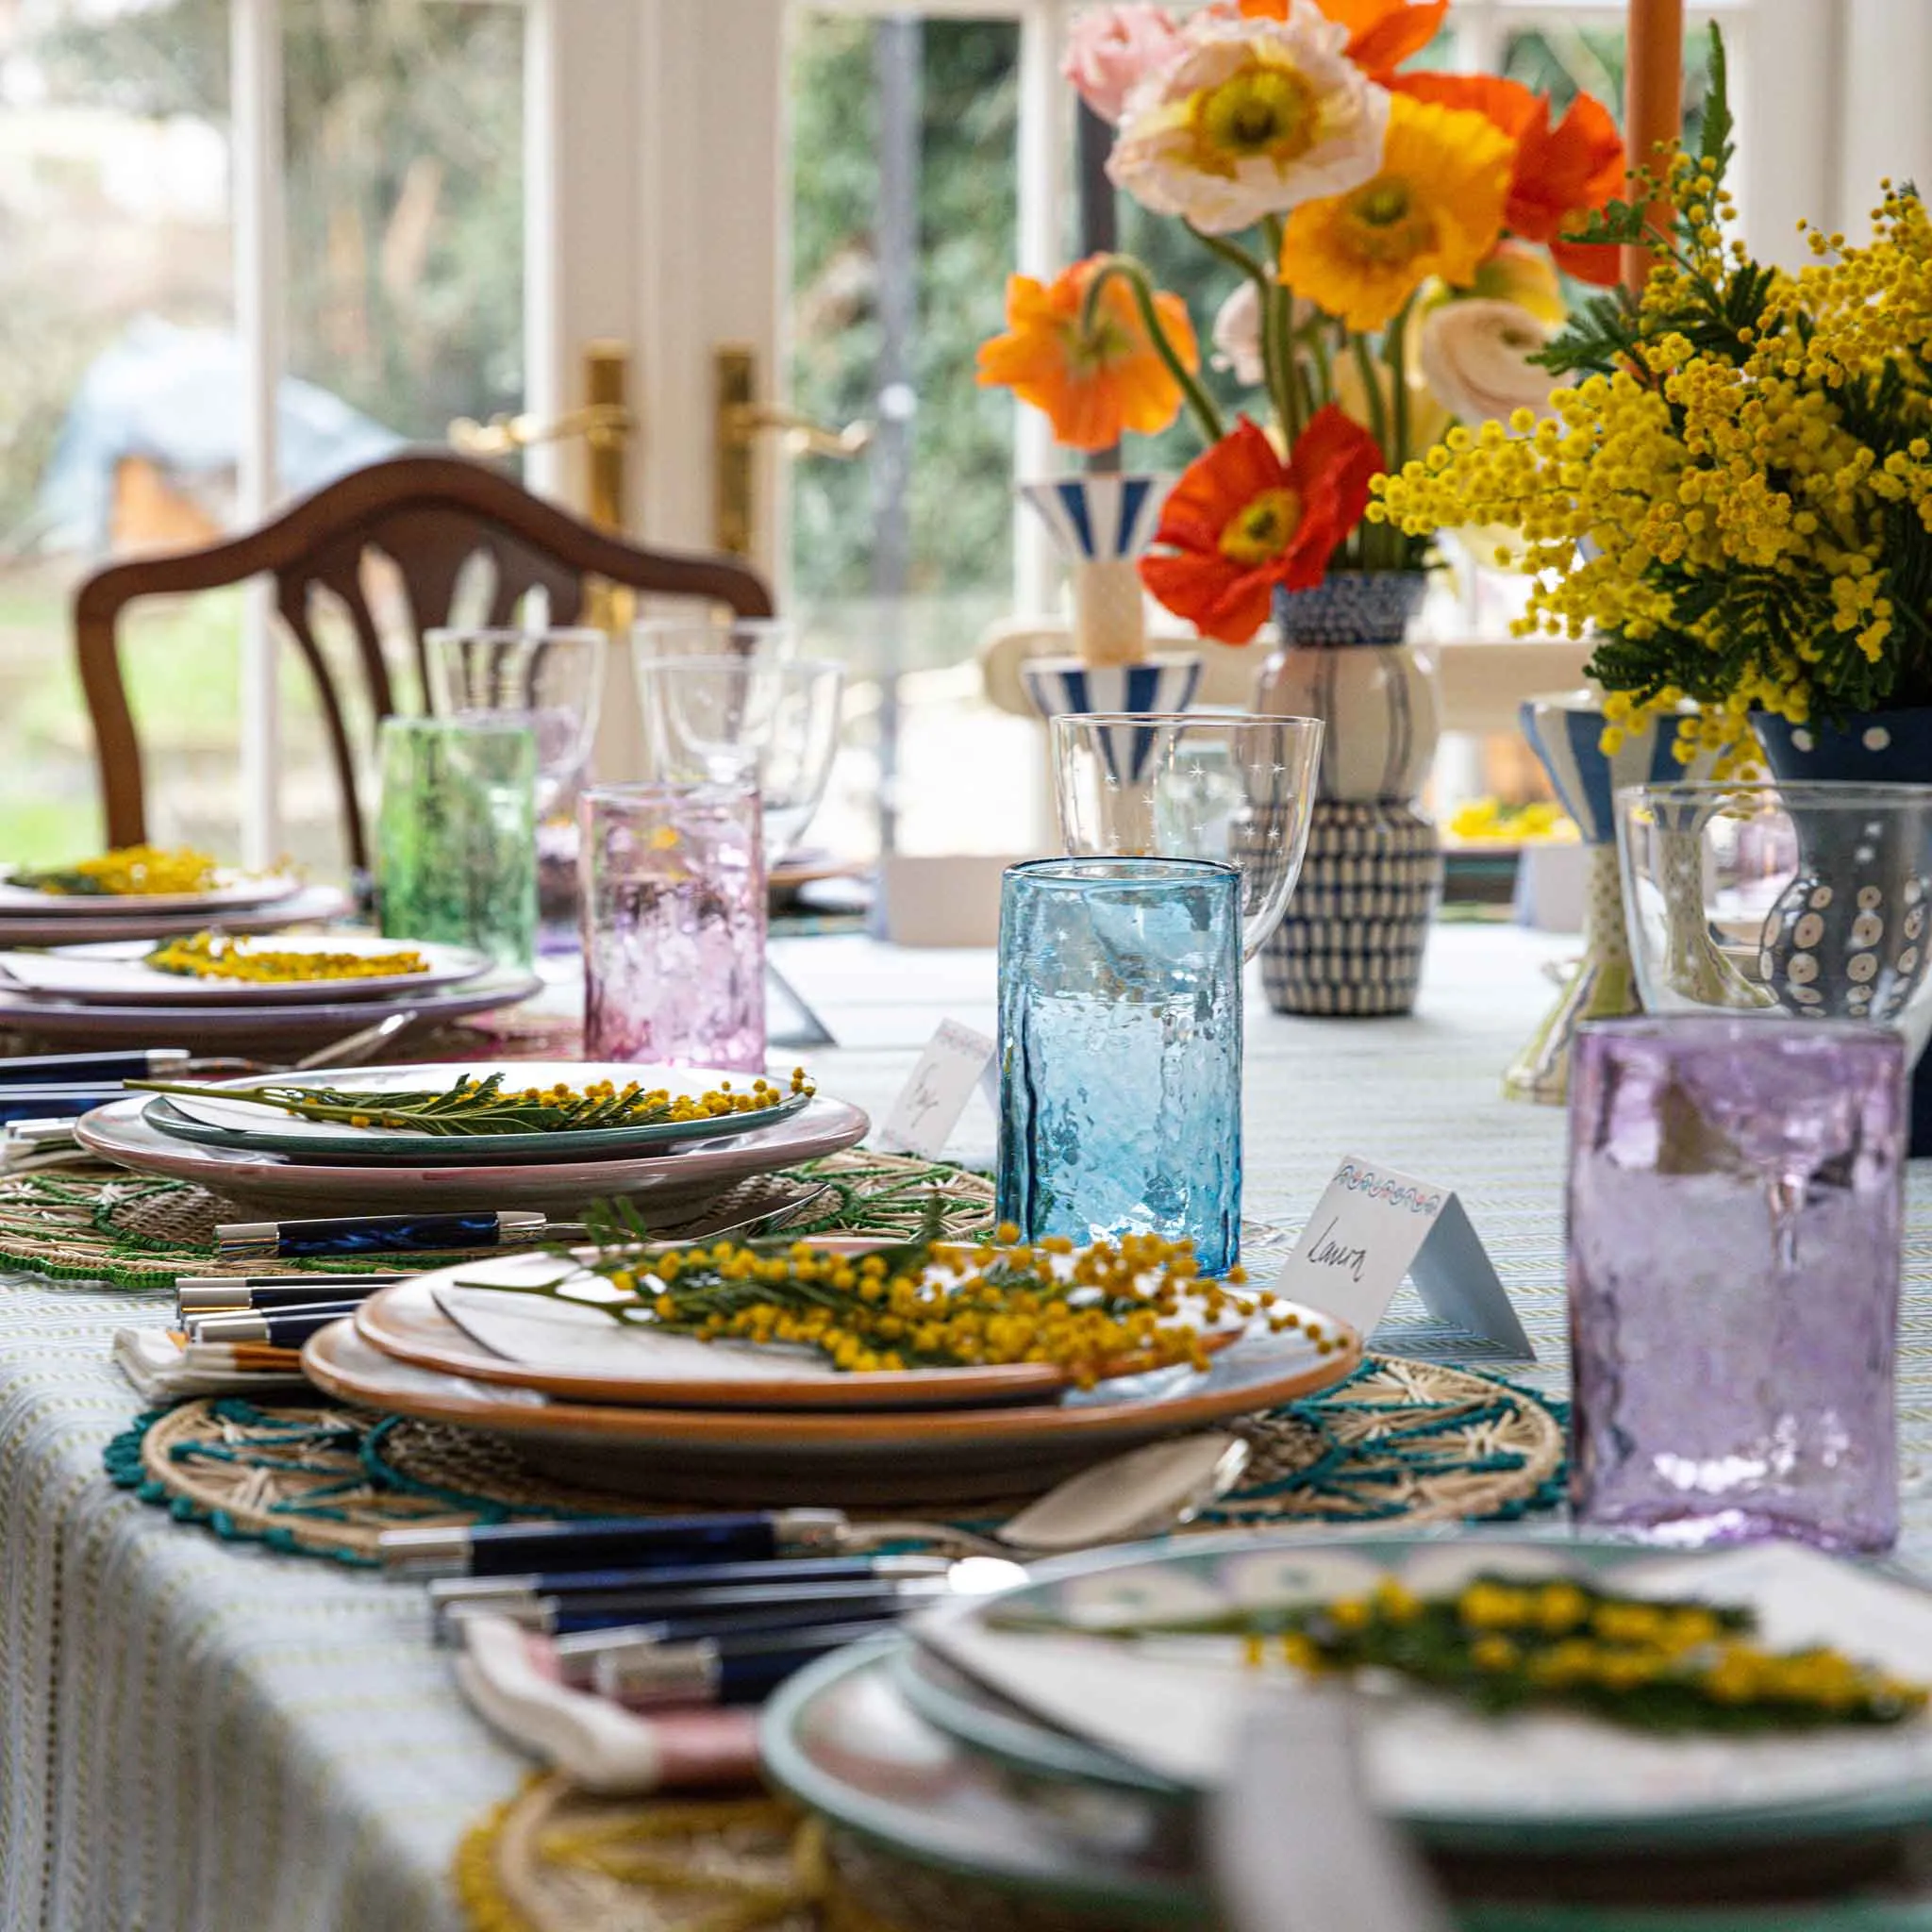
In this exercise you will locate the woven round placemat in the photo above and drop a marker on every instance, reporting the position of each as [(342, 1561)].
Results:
[(559, 1859), (1400, 1443), (92, 1221)]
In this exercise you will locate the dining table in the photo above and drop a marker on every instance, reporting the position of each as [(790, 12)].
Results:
[(202, 1734)]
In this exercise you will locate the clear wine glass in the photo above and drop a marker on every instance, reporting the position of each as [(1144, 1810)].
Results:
[(552, 680), (719, 718), (759, 639), (1193, 784)]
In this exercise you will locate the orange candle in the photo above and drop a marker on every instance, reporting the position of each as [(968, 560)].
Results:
[(1653, 100)]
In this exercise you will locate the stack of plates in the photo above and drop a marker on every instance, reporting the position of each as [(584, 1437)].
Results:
[(1073, 1768), (284, 1166), (668, 1417), (99, 992), (236, 902)]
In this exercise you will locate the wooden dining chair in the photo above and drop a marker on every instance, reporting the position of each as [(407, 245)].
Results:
[(433, 516)]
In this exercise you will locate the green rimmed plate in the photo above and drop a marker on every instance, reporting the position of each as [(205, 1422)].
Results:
[(1081, 1709), (841, 1740), (208, 1120)]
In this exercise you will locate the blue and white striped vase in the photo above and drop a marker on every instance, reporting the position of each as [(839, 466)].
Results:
[(1566, 731), (1351, 944), (1102, 525)]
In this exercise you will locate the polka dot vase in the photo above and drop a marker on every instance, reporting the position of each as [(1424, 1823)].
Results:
[(1353, 941), (1824, 944), (1876, 748)]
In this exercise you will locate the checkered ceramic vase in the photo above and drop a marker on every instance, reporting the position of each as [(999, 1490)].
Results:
[(1358, 923)]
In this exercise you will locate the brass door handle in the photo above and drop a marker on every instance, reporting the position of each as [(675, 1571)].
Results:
[(799, 435), (601, 425), (738, 420)]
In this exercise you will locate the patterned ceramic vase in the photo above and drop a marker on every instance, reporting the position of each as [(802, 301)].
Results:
[(1356, 927), (1102, 523), (1877, 748), (1566, 732)]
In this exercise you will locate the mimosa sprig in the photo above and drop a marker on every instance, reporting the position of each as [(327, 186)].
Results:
[(1116, 1307), (128, 870), (216, 956), (1502, 1644), (486, 1107)]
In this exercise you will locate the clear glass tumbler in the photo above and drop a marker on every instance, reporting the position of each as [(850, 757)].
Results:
[(1736, 1197), (1120, 1050), (457, 834), (674, 925)]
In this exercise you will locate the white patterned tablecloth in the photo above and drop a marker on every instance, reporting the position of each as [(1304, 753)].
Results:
[(203, 1737)]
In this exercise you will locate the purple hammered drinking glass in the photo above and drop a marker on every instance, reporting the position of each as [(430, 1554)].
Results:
[(674, 922), (1735, 1202)]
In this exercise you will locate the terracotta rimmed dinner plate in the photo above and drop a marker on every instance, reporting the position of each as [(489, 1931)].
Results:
[(454, 1320), (804, 1456), (267, 1029), (115, 973), (279, 1185), (234, 891), (52, 927)]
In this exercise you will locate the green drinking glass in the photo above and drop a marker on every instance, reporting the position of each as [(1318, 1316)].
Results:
[(457, 834)]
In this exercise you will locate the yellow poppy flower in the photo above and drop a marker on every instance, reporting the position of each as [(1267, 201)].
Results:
[(1435, 207)]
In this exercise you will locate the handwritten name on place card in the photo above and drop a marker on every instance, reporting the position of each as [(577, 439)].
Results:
[(1373, 1226), (956, 1060)]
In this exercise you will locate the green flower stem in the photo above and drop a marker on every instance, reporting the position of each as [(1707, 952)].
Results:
[(1274, 374), (1324, 367), (1395, 353), (1131, 272), (1277, 318)]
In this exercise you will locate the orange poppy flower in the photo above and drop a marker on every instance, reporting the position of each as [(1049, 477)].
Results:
[(1091, 383), (1382, 33), (1561, 172), (1241, 521)]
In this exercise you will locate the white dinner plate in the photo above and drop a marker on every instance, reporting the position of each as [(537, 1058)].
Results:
[(1168, 1709), (55, 927), (462, 1321), (113, 972), (257, 1129), (235, 892), (278, 1186), (250, 1029)]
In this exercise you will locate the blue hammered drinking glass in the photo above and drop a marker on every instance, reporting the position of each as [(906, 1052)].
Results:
[(1120, 1050)]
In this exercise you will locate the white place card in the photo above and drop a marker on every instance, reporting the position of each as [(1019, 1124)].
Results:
[(956, 1060), (1371, 1228)]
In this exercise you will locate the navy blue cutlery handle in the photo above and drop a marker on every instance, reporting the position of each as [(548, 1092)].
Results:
[(752, 1680), (38, 1103), (386, 1233), (646, 1542), (45, 1069), (658, 1578), (686, 1626)]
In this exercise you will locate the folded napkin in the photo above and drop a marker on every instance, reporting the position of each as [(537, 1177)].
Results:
[(163, 1370), (510, 1677)]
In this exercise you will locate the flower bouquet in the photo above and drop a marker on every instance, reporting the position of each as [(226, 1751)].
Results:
[(1397, 236), (1735, 487)]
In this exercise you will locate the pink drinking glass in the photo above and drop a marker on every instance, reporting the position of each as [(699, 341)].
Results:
[(674, 922)]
